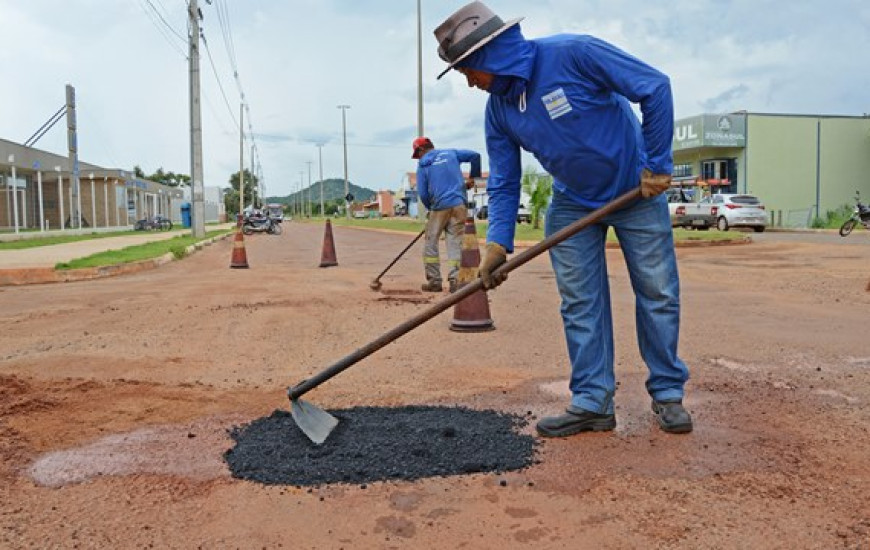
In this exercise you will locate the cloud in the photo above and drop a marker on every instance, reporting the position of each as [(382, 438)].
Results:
[(727, 100), (296, 61)]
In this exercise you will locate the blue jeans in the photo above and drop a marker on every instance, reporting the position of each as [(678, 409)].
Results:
[(647, 243)]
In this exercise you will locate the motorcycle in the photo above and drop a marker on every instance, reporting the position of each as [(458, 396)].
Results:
[(860, 216), (261, 224), (157, 223)]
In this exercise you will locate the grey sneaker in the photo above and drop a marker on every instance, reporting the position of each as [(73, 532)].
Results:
[(575, 421), (672, 416)]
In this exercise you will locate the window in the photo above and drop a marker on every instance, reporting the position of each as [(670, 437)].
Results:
[(714, 170), (682, 170)]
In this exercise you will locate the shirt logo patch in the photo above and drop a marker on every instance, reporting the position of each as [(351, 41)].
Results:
[(556, 103)]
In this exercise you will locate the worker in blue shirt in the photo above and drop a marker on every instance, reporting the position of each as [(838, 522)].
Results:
[(442, 190), (566, 99)]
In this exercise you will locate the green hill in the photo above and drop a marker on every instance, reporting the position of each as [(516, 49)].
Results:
[(332, 189)]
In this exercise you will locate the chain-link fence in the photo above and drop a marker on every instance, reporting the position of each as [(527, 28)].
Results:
[(801, 218)]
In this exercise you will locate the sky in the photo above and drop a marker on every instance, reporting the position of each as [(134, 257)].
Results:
[(296, 61)]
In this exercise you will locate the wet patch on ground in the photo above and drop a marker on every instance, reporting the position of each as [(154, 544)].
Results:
[(405, 299), (400, 292), (380, 443)]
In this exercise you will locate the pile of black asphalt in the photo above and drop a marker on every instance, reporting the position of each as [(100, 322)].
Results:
[(380, 443)]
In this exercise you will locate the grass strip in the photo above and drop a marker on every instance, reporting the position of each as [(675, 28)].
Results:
[(60, 239), (524, 232), (176, 245)]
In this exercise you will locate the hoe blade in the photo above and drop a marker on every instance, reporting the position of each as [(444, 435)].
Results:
[(314, 422)]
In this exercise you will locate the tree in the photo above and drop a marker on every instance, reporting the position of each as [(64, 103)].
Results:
[(170, 178), (538, 187), (231, 193)]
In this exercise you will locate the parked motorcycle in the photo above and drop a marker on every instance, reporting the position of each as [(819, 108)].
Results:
[(860, 216), (261, 224), (157, 223)]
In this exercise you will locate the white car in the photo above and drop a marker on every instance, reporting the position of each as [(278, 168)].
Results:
[(738, 210), (524, 215)]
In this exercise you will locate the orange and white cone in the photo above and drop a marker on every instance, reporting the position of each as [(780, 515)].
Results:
[(327, 254), (240, 257), (472, 313)]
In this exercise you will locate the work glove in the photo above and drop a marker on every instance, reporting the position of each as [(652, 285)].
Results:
[(653, 184), (494, 256)]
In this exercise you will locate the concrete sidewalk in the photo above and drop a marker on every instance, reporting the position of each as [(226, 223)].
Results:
[(36, 265)]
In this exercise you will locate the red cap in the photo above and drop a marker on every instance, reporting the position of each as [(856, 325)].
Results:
[(419, 145)]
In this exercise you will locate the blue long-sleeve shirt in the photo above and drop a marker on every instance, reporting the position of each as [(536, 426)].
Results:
[(440, 182), (577, 122)]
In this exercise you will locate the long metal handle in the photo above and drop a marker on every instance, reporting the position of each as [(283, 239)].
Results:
[(464, 292), (402, 253)]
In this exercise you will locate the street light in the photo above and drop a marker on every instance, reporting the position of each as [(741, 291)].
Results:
[(300, 194), (308, 194), (344, 109), (419, 72), (320, 152)]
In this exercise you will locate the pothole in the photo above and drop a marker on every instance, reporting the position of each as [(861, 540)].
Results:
[(378, 444), (405, 299)]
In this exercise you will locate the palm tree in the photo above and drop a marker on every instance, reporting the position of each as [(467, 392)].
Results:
[(538, 187)]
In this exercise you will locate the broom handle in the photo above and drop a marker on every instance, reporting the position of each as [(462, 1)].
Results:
[(464, 292), (402, 253)]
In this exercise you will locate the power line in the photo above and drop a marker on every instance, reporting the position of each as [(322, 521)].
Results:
[(163, 19), (160, 27), (226, 32), (220, 85)]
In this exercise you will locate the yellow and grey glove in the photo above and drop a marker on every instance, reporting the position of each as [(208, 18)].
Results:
[(494, 256), (653, 184)]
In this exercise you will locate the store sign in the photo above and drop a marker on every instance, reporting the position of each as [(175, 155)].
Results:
[(710, 131)]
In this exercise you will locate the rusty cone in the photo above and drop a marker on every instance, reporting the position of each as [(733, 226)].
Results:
[(240, 257), (472, 313), (327, 256)]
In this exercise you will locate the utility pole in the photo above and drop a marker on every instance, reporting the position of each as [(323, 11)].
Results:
[(320, 154), (308, 200), (344, 109), (259, 184), (241, 163), (419, 71), (301, 193), (73, 149), (197, 189)]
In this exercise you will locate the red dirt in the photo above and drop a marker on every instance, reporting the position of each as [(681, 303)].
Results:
[(116, 394)]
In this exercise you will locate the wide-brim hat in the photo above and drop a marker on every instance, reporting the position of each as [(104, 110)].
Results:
[(466, 31)]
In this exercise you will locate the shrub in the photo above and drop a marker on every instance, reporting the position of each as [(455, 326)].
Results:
[(178, 251)]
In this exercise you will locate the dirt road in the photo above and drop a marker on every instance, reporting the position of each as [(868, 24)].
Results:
[(116, 396)]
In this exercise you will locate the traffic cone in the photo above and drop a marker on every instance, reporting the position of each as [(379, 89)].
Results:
[(472, 313), (327, 255), (240, 258)]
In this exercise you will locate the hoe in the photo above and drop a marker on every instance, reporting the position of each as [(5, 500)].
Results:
[(317, 424)]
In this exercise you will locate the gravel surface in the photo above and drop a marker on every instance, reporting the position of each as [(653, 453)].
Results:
[(380, 443), (118, 396)]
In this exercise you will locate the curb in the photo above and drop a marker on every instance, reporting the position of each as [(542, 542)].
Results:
[(45, 275)]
